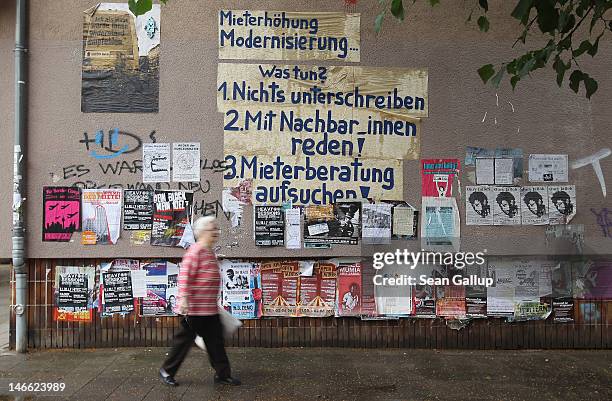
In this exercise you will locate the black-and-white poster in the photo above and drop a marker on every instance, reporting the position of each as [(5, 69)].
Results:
[(137, 209), (478, 205), (155, 162), (269, 226), (534, 205), (117, 292), (548, 168), (506, 206), (561, 204)]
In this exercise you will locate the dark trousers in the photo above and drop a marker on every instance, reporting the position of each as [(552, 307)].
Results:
[(211, 330)]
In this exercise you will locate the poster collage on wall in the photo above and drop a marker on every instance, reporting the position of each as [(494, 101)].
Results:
[(521, 289)]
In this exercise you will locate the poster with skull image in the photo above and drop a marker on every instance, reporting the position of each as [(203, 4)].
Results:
[(506, 206), (534, 205), (478, 205), (561, 203)]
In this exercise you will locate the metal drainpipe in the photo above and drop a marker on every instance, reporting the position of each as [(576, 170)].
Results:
[(19, 250)]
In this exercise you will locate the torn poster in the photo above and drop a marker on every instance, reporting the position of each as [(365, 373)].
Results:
[(393, 300), (101, 216), (500, 296), (376, 223), (279, 283), (548, 168), (516, 154), (186, 162), (440, 223), (293, 228), (137, 209), (593, 280), (424, 294), (473, 152), (61, 213), (155, 162), (476, 295), (332, 224), (450, 301), (120, 68), (74, 293), (171, 214), (561, 204), (404, 222), (162, 288), (478, 205), (318, 291), (534, 205), (506, 208), (269, 225), (437, 176), (349, 290)]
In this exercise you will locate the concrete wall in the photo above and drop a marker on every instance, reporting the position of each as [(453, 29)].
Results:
[(546, 119)]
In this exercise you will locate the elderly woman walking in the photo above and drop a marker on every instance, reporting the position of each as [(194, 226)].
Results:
[(198, 287)]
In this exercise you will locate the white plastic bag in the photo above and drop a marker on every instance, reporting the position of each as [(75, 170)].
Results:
[(230, 325), (229, 322)]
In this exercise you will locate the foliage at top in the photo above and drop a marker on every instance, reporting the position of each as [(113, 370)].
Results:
[(572, 28)]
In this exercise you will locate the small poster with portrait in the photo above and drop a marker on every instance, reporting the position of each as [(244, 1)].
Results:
[(534, 205), (561, 203), (506, 206), (478, 205)]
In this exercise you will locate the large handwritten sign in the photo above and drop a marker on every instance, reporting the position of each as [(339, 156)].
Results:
[(276, 35)]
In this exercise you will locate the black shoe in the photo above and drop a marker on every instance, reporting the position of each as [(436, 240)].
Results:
[(167, 379), (232, 381)]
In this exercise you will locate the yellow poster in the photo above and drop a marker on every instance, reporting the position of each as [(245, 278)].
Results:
[(395, 91), (285, 35)]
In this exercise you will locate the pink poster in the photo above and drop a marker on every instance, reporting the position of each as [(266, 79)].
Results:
[(61, 213), (437, 177)]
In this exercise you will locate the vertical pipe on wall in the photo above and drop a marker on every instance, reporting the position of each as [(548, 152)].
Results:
[(19, 251)]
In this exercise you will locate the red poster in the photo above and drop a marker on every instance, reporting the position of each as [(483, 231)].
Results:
[(349, 290), (451, 301), (279, 283), (318, 292), (437, 177)]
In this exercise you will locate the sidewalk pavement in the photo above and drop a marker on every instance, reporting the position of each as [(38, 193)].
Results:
[(318, 374)]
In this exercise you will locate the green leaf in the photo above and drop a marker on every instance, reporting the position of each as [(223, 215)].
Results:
[(548, 15), (584, 46), (483, 23), (498, 77), (594, 47), (484, 4), (521, 11), (140, 7), (514, 80), (527, 67), (378, 22), (486, 72), (560, 68), (397, 9), (590, 85), (434, 2), (569, 24), (575, 79)]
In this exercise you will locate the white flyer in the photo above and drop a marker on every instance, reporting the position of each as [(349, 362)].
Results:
[(156, 162), (506, 206), (548, 168), (186, 161), (293, 230), (504, 171), (478, 205), (485, 171)]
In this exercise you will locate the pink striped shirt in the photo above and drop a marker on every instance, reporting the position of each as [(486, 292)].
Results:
[(199, 280)]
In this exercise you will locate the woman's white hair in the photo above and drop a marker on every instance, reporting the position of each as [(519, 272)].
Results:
[(200, 225)]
